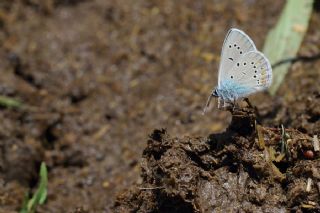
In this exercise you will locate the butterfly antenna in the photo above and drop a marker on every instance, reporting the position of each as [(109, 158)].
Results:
[(207, 104)]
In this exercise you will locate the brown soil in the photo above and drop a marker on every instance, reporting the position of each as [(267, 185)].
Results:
[(97, 77), (239, 170)]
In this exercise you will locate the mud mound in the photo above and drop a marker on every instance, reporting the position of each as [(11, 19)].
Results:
[(247, 168)]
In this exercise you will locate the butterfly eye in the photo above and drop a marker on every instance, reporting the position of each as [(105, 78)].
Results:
[(254, 67), (238, 64), (240, 52), (231, 76), (254, 76), (229, 46), (255, 71), (238, 48), (252, 62), (234, 45), (244, 63)]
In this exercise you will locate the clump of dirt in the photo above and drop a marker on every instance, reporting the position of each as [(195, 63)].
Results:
[(246, 168)]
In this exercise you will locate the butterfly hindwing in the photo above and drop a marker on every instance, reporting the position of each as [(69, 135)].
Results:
[(250, 74), (235, 45)]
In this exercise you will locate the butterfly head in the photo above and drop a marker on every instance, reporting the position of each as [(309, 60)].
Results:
[(215, 93)]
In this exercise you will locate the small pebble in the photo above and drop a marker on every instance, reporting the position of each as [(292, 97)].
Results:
[(308, 154)]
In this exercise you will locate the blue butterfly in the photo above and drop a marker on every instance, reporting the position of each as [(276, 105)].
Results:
[(243, 69)]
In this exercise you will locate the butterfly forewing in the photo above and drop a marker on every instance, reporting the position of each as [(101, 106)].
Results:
[(235, 45), (250, 74)]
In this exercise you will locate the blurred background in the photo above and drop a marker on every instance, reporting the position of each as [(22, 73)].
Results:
[(93, 78)]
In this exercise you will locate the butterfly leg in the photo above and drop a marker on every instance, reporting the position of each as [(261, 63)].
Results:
[(219, 103), (234, 103), (227, 104)]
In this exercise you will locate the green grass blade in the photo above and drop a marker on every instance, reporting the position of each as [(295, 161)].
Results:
[(9, 102), (43, 183), (40, 196), (284, 40), (24, 208)]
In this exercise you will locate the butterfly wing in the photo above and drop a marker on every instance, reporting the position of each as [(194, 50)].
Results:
[(250, 74), (235, 45)]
